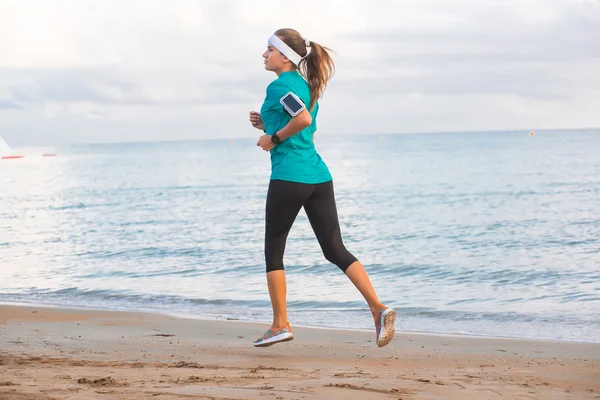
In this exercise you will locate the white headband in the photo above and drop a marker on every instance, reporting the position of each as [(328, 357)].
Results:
[(285, 49)]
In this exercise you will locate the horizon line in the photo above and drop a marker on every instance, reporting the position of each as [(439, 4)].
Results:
[(229, 138)]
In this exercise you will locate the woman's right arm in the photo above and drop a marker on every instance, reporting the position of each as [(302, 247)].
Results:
[(256, 120)]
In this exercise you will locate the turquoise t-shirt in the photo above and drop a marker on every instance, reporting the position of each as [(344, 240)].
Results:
[(295, 159)]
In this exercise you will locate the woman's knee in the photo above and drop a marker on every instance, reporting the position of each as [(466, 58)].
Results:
[(273, 258), (339, 256)]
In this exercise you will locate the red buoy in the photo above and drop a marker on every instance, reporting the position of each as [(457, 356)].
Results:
[(11, 157)]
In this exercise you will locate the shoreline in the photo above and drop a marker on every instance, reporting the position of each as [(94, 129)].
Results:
[(59, 353), (200, 317)]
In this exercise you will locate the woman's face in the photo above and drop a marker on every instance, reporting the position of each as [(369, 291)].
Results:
[(274, 60)]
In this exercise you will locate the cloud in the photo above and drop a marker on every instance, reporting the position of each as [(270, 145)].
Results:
[(501, 34), (524, 48), (4, 104), (194, 68), (542, 85), (114, 87)]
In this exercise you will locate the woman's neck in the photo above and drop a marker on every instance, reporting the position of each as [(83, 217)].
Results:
[(285, 68)]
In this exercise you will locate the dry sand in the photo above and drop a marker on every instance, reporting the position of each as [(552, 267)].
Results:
[(49, 353)]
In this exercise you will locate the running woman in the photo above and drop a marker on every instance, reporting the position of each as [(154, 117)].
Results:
[(300, 178)]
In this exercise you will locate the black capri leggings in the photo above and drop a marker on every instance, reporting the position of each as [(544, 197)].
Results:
[(284, 200)]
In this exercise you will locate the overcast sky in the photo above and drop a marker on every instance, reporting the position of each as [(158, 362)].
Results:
[(129, 70)]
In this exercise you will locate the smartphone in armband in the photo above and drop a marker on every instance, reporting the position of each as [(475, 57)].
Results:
[(292, 104)]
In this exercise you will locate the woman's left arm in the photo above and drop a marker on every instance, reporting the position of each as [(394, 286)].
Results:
[(295, 125)]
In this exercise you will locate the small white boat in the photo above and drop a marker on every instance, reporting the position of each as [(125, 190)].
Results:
[(5, 149)]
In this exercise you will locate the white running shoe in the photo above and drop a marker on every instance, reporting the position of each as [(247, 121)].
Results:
[(384, 325), (272, 336)]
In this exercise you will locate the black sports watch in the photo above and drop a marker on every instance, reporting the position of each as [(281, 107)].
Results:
[(275, 139)]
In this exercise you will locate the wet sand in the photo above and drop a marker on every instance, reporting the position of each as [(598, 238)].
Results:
[(51, 353)]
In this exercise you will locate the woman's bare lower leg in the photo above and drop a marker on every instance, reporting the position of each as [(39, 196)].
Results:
[(359, 277), (277, 292)]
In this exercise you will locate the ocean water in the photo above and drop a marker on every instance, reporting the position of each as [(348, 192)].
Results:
[(492, 233)]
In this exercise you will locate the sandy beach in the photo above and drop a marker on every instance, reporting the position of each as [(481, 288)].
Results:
[(50, 353)]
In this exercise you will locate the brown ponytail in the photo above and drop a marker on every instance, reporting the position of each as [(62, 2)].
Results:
[(317, 67)]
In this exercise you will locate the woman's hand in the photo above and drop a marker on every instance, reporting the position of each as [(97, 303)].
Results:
[(256, 120), (265, 142)]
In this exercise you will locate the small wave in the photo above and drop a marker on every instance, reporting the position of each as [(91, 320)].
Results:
[(327, 305), (329, 314), (67, 207), (569, 297), (500, 317), (467, 301), (80, 206), (144, 274), (122, 297), (496, 277), (149, 222), (150, 252), (590, 222), (79, 295)]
